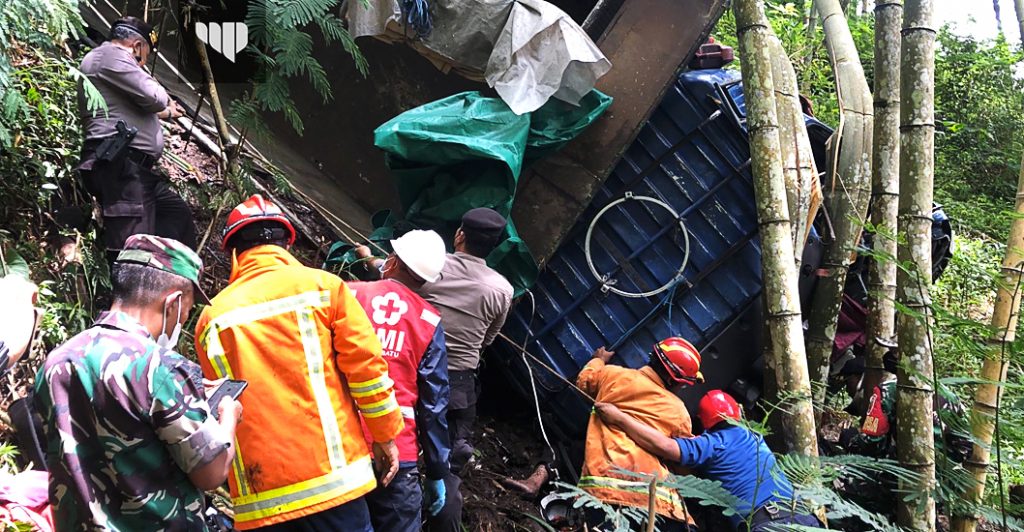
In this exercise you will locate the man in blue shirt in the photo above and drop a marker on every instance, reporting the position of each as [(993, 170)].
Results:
[(730, 454)]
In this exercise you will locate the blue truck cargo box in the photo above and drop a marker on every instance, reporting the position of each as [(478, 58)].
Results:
[(693, 156)]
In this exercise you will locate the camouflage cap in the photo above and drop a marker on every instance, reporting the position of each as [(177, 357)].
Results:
[(165, 254)]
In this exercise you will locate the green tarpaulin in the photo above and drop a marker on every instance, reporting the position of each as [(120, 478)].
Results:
[(467, 151)]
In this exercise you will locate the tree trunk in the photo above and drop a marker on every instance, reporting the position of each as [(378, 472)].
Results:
[(847, 189), (1018, 7), (780, 276), (999, 16), (993, 370), (885, 186), (801, 175), (211, 91), (915, 440)]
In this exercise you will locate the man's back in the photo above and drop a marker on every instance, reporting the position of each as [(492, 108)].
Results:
[(131, 94), (473, 300), (741, 460), (640, 394), (306, 347), (123, 422)]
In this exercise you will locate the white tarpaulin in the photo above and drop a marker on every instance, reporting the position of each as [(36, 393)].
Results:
[(542, 53), (528, 50)]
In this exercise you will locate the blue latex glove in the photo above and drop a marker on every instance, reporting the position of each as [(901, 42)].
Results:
[(436, 492)]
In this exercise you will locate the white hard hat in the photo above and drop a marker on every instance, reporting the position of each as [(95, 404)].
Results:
[(423, 252)]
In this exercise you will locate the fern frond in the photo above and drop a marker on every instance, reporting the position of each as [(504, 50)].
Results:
[(291, 114), (94, 100), (350, 46), (272, 92), (298, 13), (246, 115)]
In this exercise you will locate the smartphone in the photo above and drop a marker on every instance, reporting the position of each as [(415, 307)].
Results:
[(228, 388)]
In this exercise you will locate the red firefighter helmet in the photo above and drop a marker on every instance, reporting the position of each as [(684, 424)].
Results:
[(255, 209), (717, 406), (680, 360)]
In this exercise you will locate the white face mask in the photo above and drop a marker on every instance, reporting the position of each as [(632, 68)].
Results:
[(170, 342), (383, 267)]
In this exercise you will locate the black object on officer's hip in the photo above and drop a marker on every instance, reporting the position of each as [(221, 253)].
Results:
[(114, 147)]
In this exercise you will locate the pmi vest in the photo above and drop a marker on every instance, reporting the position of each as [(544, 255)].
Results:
[(405, 325)]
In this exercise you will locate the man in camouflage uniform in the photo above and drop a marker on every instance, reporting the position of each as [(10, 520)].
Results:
[(131, 441)]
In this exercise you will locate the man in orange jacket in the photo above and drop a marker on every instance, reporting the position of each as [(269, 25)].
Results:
[(314, 366), (645, 394)]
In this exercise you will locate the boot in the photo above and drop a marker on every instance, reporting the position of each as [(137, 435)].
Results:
[(531, 485)]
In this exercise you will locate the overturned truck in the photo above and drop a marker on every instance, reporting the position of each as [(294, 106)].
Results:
[(643, 226)]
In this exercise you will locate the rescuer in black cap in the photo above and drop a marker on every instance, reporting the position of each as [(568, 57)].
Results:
[(473, 300), (122, 145)]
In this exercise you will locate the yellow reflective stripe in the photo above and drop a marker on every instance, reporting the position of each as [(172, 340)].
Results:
[(259, 311), (366, 391), (318, 383), (380, 408), (304, 494), (215, 352), (222, 369), (301, 304), (371, 385), (667, 495), (241, 482)]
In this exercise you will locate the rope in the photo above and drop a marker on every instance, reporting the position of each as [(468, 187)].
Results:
[(533, 382), (554, 372)]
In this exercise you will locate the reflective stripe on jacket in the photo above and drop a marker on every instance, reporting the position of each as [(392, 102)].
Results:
[(640, 394), (312, 361)]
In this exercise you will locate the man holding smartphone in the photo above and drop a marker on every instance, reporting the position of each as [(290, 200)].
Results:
[(131, 441)]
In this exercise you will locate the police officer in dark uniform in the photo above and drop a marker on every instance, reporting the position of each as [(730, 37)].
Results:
[(122, 145)]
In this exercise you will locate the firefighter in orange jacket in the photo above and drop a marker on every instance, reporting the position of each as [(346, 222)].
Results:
[(646, 394), (314, 364)]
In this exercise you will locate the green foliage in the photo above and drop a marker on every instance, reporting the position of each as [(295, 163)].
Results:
[(622, 518), (979, 108), (29, 24), (279, 37), (38, 180)]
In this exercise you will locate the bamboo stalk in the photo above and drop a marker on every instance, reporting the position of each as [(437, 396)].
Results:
[(885, 186), (994, 369), (781, 296), (798, 168), (200, 137), (652, 503), (915, 440), (848, 188)]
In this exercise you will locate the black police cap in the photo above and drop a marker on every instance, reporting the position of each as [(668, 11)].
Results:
[(138, 26), (483, 222)]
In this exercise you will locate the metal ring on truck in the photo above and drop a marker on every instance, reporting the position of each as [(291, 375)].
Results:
[(607, 284)]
